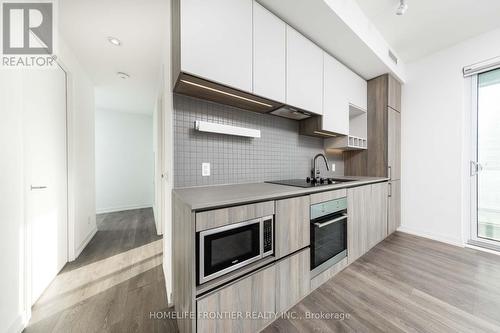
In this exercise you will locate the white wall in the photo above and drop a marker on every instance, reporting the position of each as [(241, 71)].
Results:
[(81, 165), (435, 140), (124, 160), (166, 97), (14, 311), (12, 203)]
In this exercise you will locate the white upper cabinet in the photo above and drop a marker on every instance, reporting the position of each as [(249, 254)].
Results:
[(335, 99), (269, 54), (358, 93), (304, 73), (216, 41)]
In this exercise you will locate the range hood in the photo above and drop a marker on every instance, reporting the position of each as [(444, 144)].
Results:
[(291, 113)]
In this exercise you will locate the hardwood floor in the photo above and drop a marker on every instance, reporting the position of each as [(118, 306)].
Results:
[(406, 284), (113, 286)]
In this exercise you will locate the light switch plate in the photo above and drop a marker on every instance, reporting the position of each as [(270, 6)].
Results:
[(333, 167), (205, 169)]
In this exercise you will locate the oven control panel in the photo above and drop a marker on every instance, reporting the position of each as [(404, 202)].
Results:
[(268, 235)]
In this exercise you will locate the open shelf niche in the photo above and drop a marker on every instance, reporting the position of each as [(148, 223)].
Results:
[(358, 132)]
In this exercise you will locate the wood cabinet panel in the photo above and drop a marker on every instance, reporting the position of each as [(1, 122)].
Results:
[(394, 93), (220, 217), (394, 144), (394, 215), (216, 41), (292, 279), (292, 225), (304, 72), (318, 280), (327, 196), (367, 223), (358, 209), (377, 229), (269, 52), (255, 293)]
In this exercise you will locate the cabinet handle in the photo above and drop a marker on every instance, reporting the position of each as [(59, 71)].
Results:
[(389, 172), (324, 224), (38, 187), (390, 190)]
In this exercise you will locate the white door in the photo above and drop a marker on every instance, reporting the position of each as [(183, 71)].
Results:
[(44, 107), (485, 165)]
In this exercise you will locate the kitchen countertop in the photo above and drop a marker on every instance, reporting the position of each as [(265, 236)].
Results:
[(217, 196)]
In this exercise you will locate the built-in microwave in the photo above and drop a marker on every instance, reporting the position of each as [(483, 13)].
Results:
[(225, 249)]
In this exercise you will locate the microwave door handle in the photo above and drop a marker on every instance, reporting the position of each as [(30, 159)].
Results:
[(324, 224)]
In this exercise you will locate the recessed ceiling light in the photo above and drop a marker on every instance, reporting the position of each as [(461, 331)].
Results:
[(403, 6), (123, 75), (115, 41)]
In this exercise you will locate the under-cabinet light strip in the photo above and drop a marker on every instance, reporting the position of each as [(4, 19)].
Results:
[(324, 133), (226, 93), (205, 126)]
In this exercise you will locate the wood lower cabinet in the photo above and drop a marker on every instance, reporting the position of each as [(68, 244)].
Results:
[(378, 214), (292, 225), (394, 211), (367, 224), (253, 294), (358, 209), (292, 279)]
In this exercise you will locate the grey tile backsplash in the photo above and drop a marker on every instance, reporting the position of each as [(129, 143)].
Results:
[(280, 153)]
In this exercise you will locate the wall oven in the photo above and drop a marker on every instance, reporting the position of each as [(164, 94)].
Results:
[(328, 234), (230, 247)]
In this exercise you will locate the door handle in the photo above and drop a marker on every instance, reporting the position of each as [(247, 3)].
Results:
[(390, 190), (389, 171), (38, 187), (475, 168)]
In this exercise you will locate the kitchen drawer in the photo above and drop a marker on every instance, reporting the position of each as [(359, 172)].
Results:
[(293, 280), (224, 216), (253, 294), (327, 196), (292, 225)]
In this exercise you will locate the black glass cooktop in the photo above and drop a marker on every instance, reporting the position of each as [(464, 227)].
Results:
[(308, 182)]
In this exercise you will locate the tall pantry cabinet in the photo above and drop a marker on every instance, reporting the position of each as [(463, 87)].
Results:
[(383, 156)]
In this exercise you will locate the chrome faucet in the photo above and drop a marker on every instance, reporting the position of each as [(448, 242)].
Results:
[(315, 171)]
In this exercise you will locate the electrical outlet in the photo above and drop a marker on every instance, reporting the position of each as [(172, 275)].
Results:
[(205, 169), (333, 167)]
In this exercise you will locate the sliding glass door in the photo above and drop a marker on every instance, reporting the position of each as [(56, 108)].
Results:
[(485, 169)]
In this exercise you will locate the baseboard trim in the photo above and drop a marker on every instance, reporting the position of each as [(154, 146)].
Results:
[(436, 237), (170, 301), (85, 242), (122, 208)]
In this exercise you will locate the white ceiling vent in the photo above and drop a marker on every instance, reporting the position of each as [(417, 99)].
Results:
[(393, 57)]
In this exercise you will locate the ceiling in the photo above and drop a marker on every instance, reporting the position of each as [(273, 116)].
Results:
[(318, 21), (140, 25), (429, 25)]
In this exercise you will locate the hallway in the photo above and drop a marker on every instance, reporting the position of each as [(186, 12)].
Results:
[(113, 285)]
